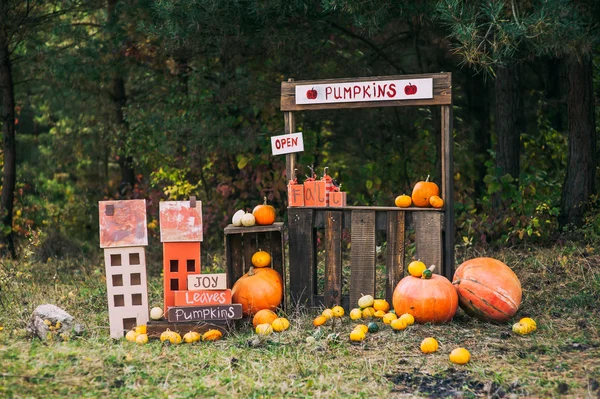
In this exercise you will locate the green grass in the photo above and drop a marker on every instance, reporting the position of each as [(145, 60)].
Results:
[(561, 291)]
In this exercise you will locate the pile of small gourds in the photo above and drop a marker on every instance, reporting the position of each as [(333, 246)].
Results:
[(425, 194), (266, 322)]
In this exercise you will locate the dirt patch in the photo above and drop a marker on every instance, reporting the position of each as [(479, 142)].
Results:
[(449, 383)]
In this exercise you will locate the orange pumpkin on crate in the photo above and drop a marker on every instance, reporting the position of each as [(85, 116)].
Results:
[(422, 191), (260, 288), (264, 214), (487, 289), (429, 299)]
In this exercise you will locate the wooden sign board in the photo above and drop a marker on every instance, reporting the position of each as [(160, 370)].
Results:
[(287, 143), (202, 313), (363, 91), (180, 222), (123, 223), (217, 281), (202, 297)]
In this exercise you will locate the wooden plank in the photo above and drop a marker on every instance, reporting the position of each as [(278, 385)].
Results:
[(202, 297), (204, 313), (395, 251), (428, 238), (290, 159), (155, 328), (373, 208), (333, 258), (302, 258), (235, 258), (448, 191), (231, 229), (276, 251), (362, 255), (249, 248), (214, 281), (442, 93)]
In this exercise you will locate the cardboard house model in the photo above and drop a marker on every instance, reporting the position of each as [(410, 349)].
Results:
[(123, 235), (181, 234)]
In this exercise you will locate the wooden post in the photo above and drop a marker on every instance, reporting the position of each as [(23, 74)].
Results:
[(395, 251), (333, 259), (290, 127), (362, 256), (448, 192)]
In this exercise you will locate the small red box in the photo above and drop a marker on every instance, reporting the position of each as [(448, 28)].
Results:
[(314, 193), (337, 198), (295, 195)]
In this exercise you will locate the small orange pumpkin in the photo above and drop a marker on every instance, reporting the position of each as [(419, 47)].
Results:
[(264, 214), (403, 201), (263, 316), (422, 191), (260, 288), (261, 259), (436, 201)]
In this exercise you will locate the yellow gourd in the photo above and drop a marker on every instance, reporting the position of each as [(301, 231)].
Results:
[(141, 339), (389, 317), (141, 329), (212, 335), (337, 311), (398, 324), (170, 336), (319, 321), (261, 259), (364, 328), (191, 337), (416, 268), (368, 312), (429, 345), (523, 328), (327, 313), (131, 335), (280, 324), (410, 319), (460, 356), (355, 314), (264, 329), (357, 335), (379, 314), (365, 301)]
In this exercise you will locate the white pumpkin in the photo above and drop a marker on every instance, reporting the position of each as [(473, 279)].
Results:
[(248, 219), (236, 220), (156, 313)]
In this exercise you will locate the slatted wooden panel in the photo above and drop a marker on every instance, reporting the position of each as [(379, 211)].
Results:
[(302, 256), (395, 251), (428, 238), (442, 93), (333, 259), (362, 255), (235, 258)]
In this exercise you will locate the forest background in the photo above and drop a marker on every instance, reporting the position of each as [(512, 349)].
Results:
[(163, 99)]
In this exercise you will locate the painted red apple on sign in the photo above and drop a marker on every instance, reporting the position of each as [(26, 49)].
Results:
[(410, 89), (311, 94)]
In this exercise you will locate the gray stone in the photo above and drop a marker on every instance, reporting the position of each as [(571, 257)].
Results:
[(50, 319)]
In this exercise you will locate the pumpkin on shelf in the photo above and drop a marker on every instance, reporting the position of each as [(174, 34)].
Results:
[(487, 289), (436, 201), (264, 214), (422, 191), (403, 201), (261, 259), (430, 300), (260, 288)]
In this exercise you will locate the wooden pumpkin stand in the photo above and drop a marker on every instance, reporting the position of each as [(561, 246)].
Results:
[(434, 228)]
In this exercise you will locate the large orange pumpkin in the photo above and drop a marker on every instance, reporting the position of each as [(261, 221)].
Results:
[(264, 214), (260, 288), (487, 289), (422, 191), (432, 300)]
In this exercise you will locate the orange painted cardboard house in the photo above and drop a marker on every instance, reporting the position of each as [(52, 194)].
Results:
[(181, 234)]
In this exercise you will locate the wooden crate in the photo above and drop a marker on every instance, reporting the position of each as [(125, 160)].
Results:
[(242, 242), (363, 223)]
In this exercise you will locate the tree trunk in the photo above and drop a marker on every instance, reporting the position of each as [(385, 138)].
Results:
[(479, 110), (7, 113), (119, 97), (580, 180), (508, 123)]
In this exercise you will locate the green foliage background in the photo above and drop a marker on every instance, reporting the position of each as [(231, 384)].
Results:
[(203, 82)]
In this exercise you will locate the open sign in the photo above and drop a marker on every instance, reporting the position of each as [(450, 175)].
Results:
[(287, 143)]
